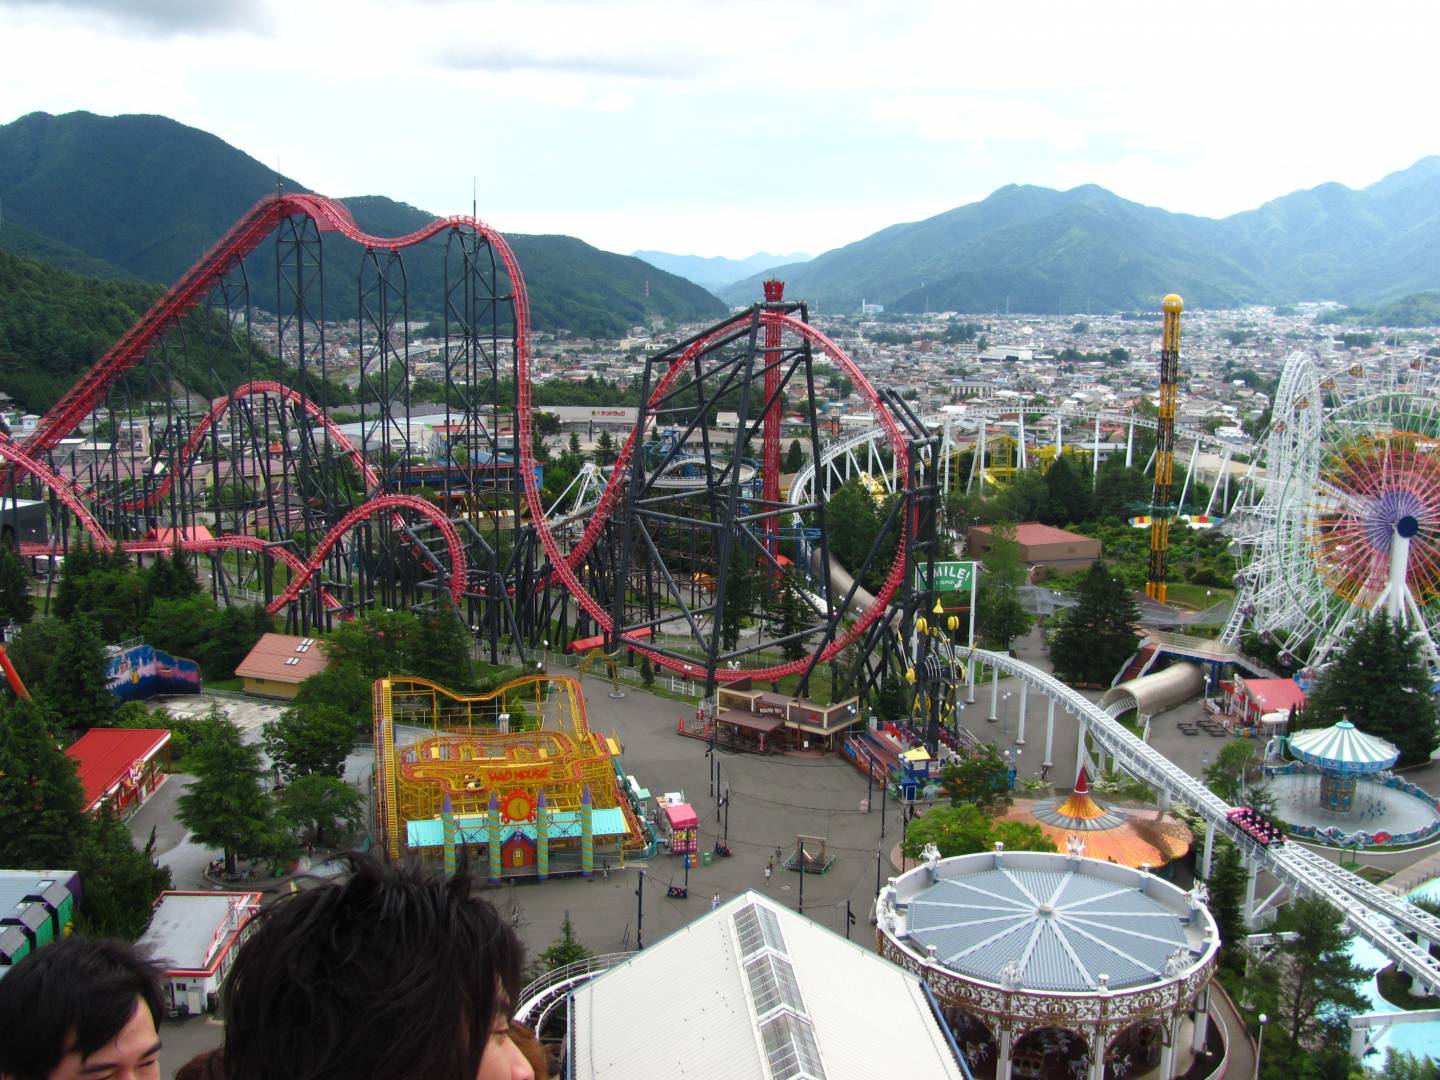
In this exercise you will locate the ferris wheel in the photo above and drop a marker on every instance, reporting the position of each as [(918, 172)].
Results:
[(1349, 520)]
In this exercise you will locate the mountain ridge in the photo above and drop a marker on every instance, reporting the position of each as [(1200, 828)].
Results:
[(1031, 248), (146, 196)]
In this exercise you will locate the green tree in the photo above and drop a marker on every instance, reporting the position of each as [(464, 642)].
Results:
[(169, 578), (439, 648), (647, 672), (1025, 497), (225, 805), (566, 949), (183, 626), (740, 586), (1020, 836), (981, 779), (16, 602), (233, 633), (891, 701), (1067, 499), (573, 446), (791, 618), (1403, 1065), (41, 801), (324, 808), (605, 450), (1380, 683), (1121, 491), (794, 457), (375, 645), (32, 649), (1091, 641), (121, 881), (999, 616), (1319, 982), (1226, 885), (342, 688), (965, 830), (309, 739), (1237, 768), (75, 684)]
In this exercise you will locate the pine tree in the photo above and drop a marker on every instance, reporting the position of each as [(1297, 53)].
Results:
[(1227, 904), (170, 578), (1319, 983), (75, 684), (309, 739), (16, 602), (439, 649), (791, 618), (1380, 683), (225, 805), (1094, 638), (794, 457), (1067, 493), (324, 807), (121, 881), (999, 616), (566, 949), (42, 803)]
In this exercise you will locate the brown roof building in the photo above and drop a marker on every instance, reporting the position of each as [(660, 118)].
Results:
[(1042, 545), (279, 663)]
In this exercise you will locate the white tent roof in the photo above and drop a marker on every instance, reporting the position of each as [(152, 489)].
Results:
[(752, 989), (1343, 747)]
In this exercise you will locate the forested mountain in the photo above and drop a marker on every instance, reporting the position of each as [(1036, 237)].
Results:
[(144, 196), (1087, 249)]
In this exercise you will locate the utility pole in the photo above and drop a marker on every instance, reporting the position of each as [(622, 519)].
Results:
[(802, 879), (849, 919), (640, 911)]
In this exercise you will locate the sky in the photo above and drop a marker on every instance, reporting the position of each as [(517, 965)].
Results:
[(708, 128)]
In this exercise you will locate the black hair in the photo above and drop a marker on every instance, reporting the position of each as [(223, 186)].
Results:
[(76, 994), (391, 973)]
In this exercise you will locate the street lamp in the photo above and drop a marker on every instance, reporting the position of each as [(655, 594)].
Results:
[(1260, 1043)]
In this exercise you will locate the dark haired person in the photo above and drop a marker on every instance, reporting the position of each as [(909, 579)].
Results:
[(81, 1009), (389, 973)]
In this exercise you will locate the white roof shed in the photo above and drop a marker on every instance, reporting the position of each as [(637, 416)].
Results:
[(752, 989)]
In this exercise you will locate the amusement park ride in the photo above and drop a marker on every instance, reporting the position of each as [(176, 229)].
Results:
[(275, 502)]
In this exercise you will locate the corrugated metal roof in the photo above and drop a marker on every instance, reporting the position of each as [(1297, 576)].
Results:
[(1062, 928), (681, 1009)]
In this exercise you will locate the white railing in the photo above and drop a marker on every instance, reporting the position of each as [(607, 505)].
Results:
[(562, 980)]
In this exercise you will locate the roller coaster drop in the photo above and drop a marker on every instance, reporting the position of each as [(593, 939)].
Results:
[(254, 476)]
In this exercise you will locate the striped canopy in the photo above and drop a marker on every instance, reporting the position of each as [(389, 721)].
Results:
[(1343, 748)]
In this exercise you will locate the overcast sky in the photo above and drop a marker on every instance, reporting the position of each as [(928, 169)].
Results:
[(711, 128)]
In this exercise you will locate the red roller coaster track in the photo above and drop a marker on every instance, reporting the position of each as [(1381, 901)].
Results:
[(330, 216)]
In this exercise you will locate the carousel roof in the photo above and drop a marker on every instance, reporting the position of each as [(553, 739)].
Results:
[(1343, 748), (1062, 925), (1111, 836)]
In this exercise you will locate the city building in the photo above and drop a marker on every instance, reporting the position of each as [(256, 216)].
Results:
[(195, 935), (279, 663), (1042, 545), (120, 767)]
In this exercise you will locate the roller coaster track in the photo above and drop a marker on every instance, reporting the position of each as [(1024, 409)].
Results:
[(564, 566), (1381, 918), (301, 571), (221, 407)]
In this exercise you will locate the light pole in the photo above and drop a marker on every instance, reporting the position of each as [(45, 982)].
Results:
[(1260, 1043)]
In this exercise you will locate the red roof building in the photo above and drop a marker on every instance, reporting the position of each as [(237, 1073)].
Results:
[(279, 663), (1042, 545), (1251, 700), (120, 767)]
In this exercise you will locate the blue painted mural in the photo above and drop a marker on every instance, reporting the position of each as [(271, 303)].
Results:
[(136, 672)]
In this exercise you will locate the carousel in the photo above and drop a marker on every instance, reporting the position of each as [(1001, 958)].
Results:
[(1342, 753), (1058, 966)]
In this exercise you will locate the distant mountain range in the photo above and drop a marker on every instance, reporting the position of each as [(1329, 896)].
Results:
[(144, 197), (1039, 250), (715, 271)]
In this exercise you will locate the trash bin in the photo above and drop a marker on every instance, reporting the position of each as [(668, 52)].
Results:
[(707, 858)]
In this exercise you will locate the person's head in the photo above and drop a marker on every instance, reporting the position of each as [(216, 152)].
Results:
[(82, 1007), (390, 973)]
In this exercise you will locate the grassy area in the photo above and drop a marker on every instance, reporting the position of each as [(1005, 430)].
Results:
[(1196, 596), (1395, 988), (1373, 874), (235, 684)]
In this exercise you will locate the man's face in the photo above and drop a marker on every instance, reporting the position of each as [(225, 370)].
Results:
[(134, 1054)]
